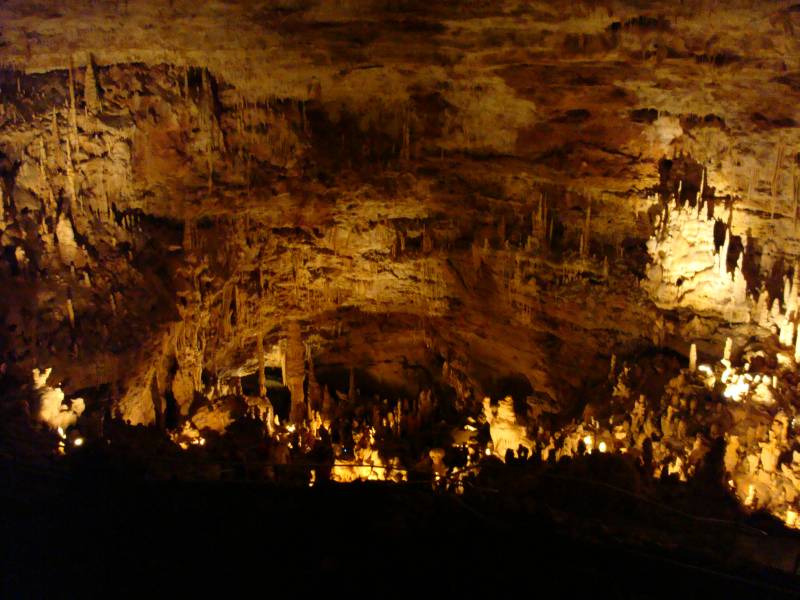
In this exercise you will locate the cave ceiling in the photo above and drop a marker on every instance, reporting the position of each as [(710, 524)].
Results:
[(460, 193)]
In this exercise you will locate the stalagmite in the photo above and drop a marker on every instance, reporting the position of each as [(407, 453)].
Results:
[(67, 248), (792, 304), (787, 290), (315, 400), (739, 283), (797, 350), (786, 334), (726, 355), (775, 312), (693, 358)]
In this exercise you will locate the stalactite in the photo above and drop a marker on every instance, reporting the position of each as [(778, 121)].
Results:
[(91, 93), (405, 142), (73, 189), (73, 118), (262, 382), (210, 160), (795, 195), (584, 247), (774, 182), (56, 138), (693, 357), (427, 241), (351, 387), (70, 313), (723, 254), (188, 234), (477, 256), (739, 283), (42, 160), (702, 190)]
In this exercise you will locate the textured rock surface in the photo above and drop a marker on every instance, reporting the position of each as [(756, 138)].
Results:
[(475, 199)]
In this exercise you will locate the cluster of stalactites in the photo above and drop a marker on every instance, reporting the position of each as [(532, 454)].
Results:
[(782, 317)]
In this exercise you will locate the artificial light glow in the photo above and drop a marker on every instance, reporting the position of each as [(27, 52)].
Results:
[(791, 518), (78, 441), (602, 447), (488, 451), (705, 369), (734, 391), (751, 495)]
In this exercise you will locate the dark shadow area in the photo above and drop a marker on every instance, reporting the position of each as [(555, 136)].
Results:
[(579, 522)]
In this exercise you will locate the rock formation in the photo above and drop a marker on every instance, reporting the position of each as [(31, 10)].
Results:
[(405, 208)]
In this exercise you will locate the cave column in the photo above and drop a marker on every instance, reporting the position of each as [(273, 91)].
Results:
[(262, 382), (295, 371)]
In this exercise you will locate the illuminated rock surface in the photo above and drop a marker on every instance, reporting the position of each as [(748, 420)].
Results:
[(400, 240)]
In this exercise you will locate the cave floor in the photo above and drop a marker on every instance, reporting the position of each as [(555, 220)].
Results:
[(81, 534)]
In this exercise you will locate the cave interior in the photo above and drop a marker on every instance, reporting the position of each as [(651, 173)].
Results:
[(344, 277)]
